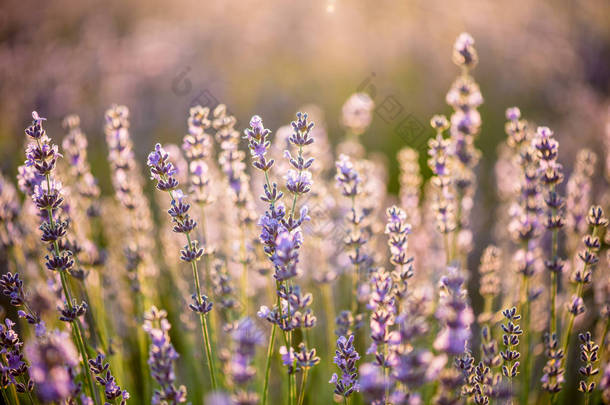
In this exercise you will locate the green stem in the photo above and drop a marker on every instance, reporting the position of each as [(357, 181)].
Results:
[(202, 318), (303, 385), (142, 348), (268, 364), (602, 341), (448, 257), (76, 329), (204, 327), (566, 339), (244, 271), (208, 350), (14, 394), (327, 298), (6, 400)]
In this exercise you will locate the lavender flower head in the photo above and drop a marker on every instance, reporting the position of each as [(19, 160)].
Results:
[(112, 391), (161, 358), (246, 336), (299, 178), (345, 358), (455, 314), (12, 287), (398, 230), (13, 369), (197, 146), (162, 170), (51, 359), (464, 53), (357, 113), (258, 143)]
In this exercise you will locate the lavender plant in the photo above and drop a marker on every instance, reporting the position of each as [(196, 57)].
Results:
[(416, 322), (162, 171), (162, 356), (43, 155)]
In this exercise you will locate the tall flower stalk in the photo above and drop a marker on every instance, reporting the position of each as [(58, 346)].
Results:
[(282, 238), (258, 144), (551, 175), (43, 155), (162, 356), (127, 182), (583, 273), (465, 122), (525, 226), (444, 206), (162, 171)]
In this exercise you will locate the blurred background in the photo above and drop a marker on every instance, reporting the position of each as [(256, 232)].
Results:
[(271, 57)]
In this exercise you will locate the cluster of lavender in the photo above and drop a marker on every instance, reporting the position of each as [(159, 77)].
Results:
[(13, 369), (197, 146), (464, 97), (282, 238), (128, 183), (406, 332), (231, 161), (349, 182), (42, 155), (440, 162)]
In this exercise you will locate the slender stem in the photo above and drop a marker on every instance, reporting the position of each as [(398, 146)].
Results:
[(579, 291), (244, 270), (204, 327), (6, 400), (29, 393), (566, 339), (142, 344), (77, 331), (202, 318), (207, 269), (303, 385), (14, 394), (208, 349), (448, 257), (602, 341), (329, 309), (272, 202), (268, 364), (290, 400), (294, 200)]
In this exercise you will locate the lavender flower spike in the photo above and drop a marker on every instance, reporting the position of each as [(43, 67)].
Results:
[(162, 356), (104, 377), (162, 170), (345, 358), (246, 337), (51, 361)]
